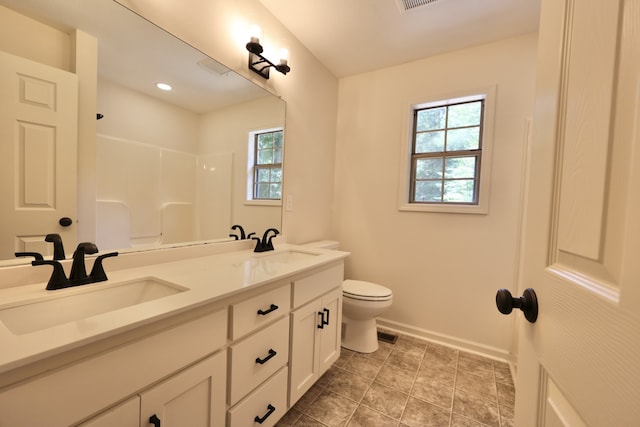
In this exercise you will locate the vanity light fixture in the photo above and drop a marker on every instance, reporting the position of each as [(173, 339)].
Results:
[(258, 63)]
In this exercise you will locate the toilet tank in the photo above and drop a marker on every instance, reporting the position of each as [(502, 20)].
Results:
[(324, 244)]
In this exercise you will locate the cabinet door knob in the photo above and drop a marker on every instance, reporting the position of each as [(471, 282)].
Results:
[(269, 310), (272, 353), (153, 419), (270, 409)]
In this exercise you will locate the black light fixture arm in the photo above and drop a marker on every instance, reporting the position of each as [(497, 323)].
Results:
[(261, 65)]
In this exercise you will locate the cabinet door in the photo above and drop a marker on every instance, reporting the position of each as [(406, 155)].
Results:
[(304, 357), (331, 332), (194, 397), (126, 414)]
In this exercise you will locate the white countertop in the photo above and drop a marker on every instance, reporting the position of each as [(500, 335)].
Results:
[(207, 279)]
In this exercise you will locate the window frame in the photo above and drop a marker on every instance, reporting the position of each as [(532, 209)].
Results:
[(252, 167), (483, 167)]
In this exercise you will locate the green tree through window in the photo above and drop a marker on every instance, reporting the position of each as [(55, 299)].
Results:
[(446, 153), (267, 168)]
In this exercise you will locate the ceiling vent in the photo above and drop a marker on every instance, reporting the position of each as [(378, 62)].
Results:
[(406, 5), (214, 66)]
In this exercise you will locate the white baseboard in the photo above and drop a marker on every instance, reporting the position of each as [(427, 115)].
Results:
[(450, 341)]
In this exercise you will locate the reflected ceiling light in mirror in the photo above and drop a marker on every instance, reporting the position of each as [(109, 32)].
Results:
[(163, 86), (258, 63)]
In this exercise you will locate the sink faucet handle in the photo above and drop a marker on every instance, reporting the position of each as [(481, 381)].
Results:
[(58, 279), (97, 271), (58, 248), (238, 227), (38, 256)]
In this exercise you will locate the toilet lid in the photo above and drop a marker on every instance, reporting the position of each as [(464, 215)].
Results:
[(359, 289)]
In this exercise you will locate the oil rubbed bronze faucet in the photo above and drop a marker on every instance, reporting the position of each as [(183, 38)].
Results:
[(266, 244), (78, 275)]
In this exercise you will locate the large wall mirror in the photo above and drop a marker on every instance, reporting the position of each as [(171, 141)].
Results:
[(170, 166)]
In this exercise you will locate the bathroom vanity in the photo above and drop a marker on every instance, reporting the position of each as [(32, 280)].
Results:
[(226, 339)]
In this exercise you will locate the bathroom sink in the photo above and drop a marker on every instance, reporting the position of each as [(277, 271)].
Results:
[(81, 303)]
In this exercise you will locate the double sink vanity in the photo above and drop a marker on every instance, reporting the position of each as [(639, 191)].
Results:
[(204, 335)]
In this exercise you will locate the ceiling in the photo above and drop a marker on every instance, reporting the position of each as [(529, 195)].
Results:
[(355, 36)]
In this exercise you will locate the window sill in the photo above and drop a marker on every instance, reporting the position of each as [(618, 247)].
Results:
[(444, 208), (263, 202)]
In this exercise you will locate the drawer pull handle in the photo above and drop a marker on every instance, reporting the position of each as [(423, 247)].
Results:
[(272, 353), (269, 310), (262, 419), (326, 310), (322, 322), (153, 419)]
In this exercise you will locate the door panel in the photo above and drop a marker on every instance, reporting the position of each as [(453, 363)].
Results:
[(38, 154), (579, 360)]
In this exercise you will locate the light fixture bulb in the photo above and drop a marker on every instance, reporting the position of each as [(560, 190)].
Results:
[(255, 33), (163, 86), (284, 56)]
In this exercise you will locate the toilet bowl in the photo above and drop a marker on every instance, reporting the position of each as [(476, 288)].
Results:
[(362, 302)]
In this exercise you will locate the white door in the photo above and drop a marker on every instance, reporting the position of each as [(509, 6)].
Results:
[(579, 364), (38, 155)]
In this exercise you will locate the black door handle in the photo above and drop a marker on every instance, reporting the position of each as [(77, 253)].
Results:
[(272, 353), (270, 409), (326, 310), (322, 321), (269, 310), (153, 419), (528, 303), (65, 221)]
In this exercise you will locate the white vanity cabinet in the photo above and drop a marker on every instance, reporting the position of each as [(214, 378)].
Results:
[(259, 359), (194, 397), (316, 327), (239, 360)]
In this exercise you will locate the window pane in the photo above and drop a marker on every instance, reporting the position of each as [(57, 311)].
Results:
[(465, 114), (277, 139), (429, 168), (460, 167), (431, 118), (265, 140), (265, 157), (277, 155), (428, 191), (263, 175), (459, 191), (276, 174), (463, 139), (262, 191), (429, 142), (275, 191)]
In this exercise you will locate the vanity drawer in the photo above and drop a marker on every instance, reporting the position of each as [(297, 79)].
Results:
[(268, 402), (311, 287), (257, 357), (252, 313)]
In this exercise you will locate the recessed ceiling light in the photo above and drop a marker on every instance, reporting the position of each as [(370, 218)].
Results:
[(163, 86)]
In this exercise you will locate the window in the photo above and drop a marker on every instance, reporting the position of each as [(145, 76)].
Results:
[(265, 163), (449, 156)]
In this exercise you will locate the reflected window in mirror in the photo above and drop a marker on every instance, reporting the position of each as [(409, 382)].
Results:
[(265, 164)]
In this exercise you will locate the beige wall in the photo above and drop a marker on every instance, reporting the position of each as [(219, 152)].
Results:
[(219, 28), (444, 269)]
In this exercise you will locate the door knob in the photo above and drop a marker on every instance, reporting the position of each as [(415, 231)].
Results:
[(65, 221), (528, 303)]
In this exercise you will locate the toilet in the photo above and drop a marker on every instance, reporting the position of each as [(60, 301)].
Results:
[(362, 302)]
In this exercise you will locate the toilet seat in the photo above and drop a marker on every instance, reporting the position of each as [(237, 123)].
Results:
[(365, 291)]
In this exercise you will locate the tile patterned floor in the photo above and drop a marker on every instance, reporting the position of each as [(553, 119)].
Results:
[(411, 383)]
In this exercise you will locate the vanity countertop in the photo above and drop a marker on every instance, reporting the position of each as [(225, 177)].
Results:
[(206, 279)]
